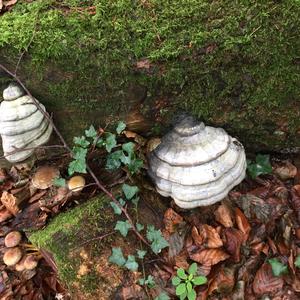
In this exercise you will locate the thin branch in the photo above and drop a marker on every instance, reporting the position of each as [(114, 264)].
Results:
[(101, 237), (25, 50), (31, 148), (65, 145)]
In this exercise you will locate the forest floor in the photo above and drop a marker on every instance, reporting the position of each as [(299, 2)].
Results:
[(246, 247)]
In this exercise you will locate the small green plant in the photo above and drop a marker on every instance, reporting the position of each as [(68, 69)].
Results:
[(123, 155), (261, 166), (186, 282), (278, 268)]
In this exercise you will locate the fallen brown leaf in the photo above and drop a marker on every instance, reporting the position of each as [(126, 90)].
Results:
[(171, 219), (213, 239), (234, 240), (5, 214), (181, 260), (223, 282), (223, 215), (242, 223), (265, 282), (285, 170), (246, 271), (209, 257), (198, 239)]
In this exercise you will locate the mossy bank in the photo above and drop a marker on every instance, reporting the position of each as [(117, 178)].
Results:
[(231, 63), (80, 255)]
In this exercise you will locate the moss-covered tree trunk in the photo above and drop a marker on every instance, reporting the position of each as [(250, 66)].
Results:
[(232, 64)]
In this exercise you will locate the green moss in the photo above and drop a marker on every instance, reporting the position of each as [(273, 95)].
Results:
[(61, 238), (207, 56)]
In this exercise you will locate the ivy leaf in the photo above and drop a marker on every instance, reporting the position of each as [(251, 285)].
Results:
[(199, 280), (157, 240), (99, 142), (59, 182), (278, 268), (79, 153), (297, 261), (113, 160), (91, 132), (116, 208), (162, 296), (139, 227), (77, 165), (117, 257), (180, 289), (122, 202), (191, 294), (141, 253), (261, 166), (135, 165), (176, 280), (81, 141), (181, 273), (128, 148), (131, 264), (110, 141), (129, 191), (192, 269), (120, 127), (123, 227), (135, 200), (149, 281)]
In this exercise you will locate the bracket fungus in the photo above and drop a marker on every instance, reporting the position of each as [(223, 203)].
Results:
[(197, 165), (22, 124)]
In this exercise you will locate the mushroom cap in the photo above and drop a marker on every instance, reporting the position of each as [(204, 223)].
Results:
[(30, 262), (197, 165), (13, 239), (12, 92), (20, 265), (76, 183), (12, 256), (43, 177)]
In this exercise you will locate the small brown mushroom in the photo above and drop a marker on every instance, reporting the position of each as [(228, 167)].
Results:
[(76, 183), (12, 239), (20, 265), (12, 256), (43, 177), (30, 262)]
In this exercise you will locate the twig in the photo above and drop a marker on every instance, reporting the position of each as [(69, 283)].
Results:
[(25, 50), (65, 145), (101, 237), (31, 148)]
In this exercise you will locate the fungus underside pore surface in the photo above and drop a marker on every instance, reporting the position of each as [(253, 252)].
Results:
[(232, 64), (64, 235)]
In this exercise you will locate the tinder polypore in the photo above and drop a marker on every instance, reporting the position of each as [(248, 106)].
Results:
[(197, 165), (22, 124)]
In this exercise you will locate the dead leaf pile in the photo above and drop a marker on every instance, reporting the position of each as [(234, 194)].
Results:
[(232, 245)]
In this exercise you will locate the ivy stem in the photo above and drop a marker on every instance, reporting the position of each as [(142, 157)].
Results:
[(65, 145)]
